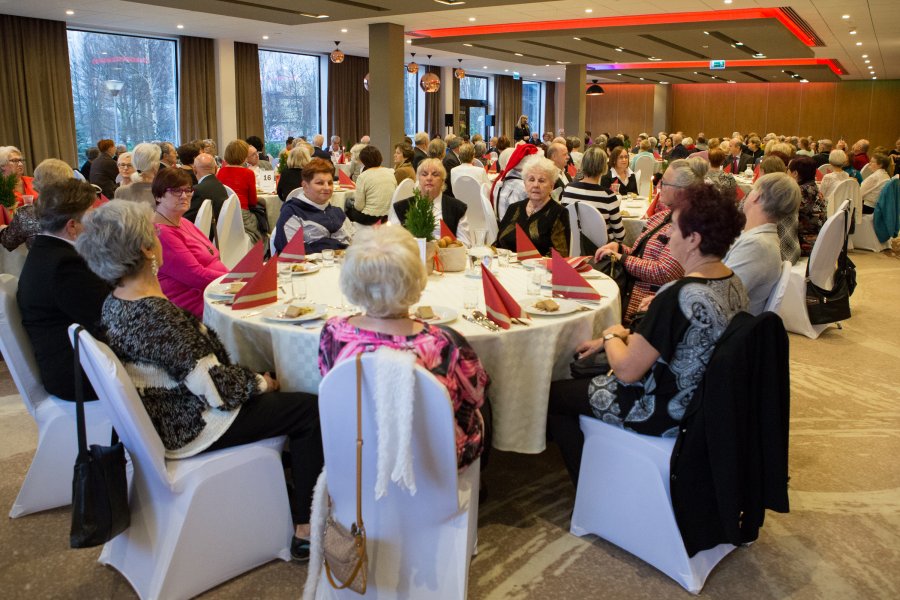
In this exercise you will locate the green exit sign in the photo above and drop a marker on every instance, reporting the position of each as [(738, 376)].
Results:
[(717, 64)]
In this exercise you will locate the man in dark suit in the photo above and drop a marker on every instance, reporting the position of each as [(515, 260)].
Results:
[(451, 159), (208, 187), (104, 169), (824, 150), (91, 155), (420, 152), (737, 160), (318, 152), (678, 149), (57, 288)]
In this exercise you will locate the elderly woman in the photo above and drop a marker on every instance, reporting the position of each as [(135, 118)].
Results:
[(196, 399), (648, 262), (292, 175), (25, 225), (403, 157), (192, 261), (657, 367), (437, 148), (620, 179), (813, 208), (882, 169), (508, 187), (12, 163), (522, 131), (837, 160), (788, 223), (432, 175), (756, 255), (589, 191), (723, 181), (374, 189), (125, 164), (242, 181), (309, 210), (467, 167), (543, 220), (356, 166), (145, 159), (384, 275)]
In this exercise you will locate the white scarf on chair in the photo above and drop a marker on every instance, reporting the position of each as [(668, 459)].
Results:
[(394, 396)]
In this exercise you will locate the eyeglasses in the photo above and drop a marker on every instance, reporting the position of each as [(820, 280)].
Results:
[(125, 165), (663, 184), (180, 191), (18, 161)]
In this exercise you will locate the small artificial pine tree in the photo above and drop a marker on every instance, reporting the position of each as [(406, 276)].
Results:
[(8, 190), (420, 218)]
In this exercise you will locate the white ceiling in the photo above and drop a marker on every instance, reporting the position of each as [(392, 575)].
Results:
[(876, 22)]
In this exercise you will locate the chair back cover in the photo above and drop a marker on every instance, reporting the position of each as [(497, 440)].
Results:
[(828, 246), (593, 225), (233, 241), (16, 346), (780, 287), (574, 230), (644, 166), (203, 220), (865, 171), (468, 190), (846, 190), (825, 169), (404, 190)]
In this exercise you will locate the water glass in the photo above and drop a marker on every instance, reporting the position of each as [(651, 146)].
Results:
[(27, 199), (546, 284), (480, 236), (298, 287), (327, 258), (470, 297), (534, 282), (503, 257)]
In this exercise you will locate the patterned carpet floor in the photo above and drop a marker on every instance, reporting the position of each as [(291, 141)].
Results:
[(841, 539)]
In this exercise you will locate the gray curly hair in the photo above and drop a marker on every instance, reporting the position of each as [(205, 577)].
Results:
[(114, 239)]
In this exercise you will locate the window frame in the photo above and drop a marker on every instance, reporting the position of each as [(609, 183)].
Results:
[(319, 104)]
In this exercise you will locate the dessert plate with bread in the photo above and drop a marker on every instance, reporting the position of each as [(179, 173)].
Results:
[(548, 307), (435, 315), (294, 312), (305, 268), (225, 291)]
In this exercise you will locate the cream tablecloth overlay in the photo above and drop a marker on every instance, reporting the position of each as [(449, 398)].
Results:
[(521, 361), (634, 222)]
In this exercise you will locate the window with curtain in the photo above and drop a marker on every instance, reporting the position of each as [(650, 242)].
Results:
[(124, 88), (531, 104), (410, 103), (473, 104), (290, 96)]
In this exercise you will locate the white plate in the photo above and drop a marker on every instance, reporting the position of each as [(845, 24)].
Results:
[(311, 267), (220, 292), (276, 313), (566, 307), (593, 274), (442, 315), (531, 263), (314, 256)]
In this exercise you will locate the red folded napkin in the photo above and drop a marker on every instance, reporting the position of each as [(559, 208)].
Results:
[(261, 289), (345, 180), (445, 231), (567, 282), (571, 170), (524, 248), (739, 193), (295, 250), (755, 173), (727, 168), (579, 263), (819, 175), (501, 308), (249, 266)]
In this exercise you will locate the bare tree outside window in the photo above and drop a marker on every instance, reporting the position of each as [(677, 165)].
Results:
[(410, 103), (124, 88), (531, 103), (290, 97)]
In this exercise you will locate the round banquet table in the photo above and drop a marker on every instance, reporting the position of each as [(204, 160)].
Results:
[(521, 361), (635, 207)]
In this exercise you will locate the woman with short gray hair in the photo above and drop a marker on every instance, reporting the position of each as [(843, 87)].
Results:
[(431, 176), (24, 225), (196, 399), (589, 191), (145, 160), (542, 218), (384, 274), (756, 256)]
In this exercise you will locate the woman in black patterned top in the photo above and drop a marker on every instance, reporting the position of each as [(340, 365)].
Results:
[(196, 398)]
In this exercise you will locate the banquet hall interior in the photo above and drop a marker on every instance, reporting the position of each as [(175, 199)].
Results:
[(77, 71)]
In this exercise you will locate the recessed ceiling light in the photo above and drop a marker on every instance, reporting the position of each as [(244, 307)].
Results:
[(664, 82), (343, 31), (312, 16), (759, 55), (589, 10), (739, 43), (265, 37), (506, 70), (546, 65), (534, 74), (706, 33), (469, 45), (484, 67), (409, 41), (471, 19), (518, 54), (852, 32), (859, 43), (558, 78), (450, 2), (874, 78), (867, 61), (871, 67), (70, 12), (653, 58), (561, 62), (576, 39), (619, 49), (728, 1), (180, 26), (732, 81), (804, 81), (845, 16), (865, 56)]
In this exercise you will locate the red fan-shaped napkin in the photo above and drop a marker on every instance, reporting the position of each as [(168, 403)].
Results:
[(739, 193), (249, 266), (261, 289), (567, 282), (345, 180), (755, 173), (524, 248), (819, 175), (571, 170), (445, 231), (727, 167), (295, 250), (501, 307), (579, 263)]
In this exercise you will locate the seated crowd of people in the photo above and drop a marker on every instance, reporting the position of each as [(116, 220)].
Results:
[(115, 249)]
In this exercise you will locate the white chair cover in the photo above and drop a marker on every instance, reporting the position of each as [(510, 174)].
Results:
[(234, 243), (574, 230), (776, 296), (48, 483), (864, 237), (846, 190), (203, 220), (593, 224), (479, 215), (623, 496), (865, 171), (644, 165), (419, 546), (478, 163), (822, 264), (195, 522), (825, 169), (404, 190)]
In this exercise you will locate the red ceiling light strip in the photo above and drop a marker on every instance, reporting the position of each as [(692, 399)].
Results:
[(621, 21), (701, 64)]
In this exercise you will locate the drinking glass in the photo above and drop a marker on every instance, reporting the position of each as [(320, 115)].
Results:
[(298, 287), (534, 281), (503, 257), (327, 258), (27, 199), (480, 236), (470, 297)]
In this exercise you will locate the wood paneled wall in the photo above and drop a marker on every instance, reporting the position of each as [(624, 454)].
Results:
[(848, 109), (622, 109)]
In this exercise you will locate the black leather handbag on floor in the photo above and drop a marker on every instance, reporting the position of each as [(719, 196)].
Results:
[(99, 486), (831, 306)]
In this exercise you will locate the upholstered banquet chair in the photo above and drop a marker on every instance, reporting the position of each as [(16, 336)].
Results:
[(644, 165), (776, 296), (865, 237), (195, 522), (234, 243), (480, 216), (420, 545), (204, 217), (48, 483)]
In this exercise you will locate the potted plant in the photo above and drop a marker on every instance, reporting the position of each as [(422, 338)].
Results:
[(420, 223), (7, 196)]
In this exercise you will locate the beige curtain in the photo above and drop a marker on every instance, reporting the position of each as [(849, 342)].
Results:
[(249, 91), (550, 108), (348, 100), (507, 104), (38, 115), (434, 117), (197, 96)]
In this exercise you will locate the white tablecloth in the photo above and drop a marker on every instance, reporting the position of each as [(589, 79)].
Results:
[(521, 361), (634, 222)]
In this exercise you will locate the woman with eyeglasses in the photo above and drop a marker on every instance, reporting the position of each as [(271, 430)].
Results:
[(191, 262), (12, 163), (648, 262)]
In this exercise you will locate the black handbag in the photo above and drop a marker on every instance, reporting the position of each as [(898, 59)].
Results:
[(99, 485), (831, 306), (590, 366)]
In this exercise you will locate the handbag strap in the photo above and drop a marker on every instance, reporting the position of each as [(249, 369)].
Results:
[(79, 395), (638, 250), (359, 441)]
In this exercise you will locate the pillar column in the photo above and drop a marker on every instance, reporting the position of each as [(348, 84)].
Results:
[(574, 110), (386, 49), (660, 109), (226, 96)]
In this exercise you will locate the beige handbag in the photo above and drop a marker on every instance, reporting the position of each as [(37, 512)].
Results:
[(346, 561)]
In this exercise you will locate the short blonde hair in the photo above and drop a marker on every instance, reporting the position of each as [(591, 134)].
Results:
[(50, 172), (383, 271), (429, 163), (298, 157)]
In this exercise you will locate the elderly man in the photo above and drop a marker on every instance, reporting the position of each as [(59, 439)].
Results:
[(559, 154), (860, 154), (207, 187), (678, 149), (420, 152), (825, 148), (365, 140), (451, 159), (318, 152), (335, 150), (169, 156), (737, 160), (255, 164)]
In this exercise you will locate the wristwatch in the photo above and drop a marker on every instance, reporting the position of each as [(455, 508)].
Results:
[(610, 336)]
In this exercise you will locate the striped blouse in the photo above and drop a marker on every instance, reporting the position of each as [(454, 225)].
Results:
[(601, 199)]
